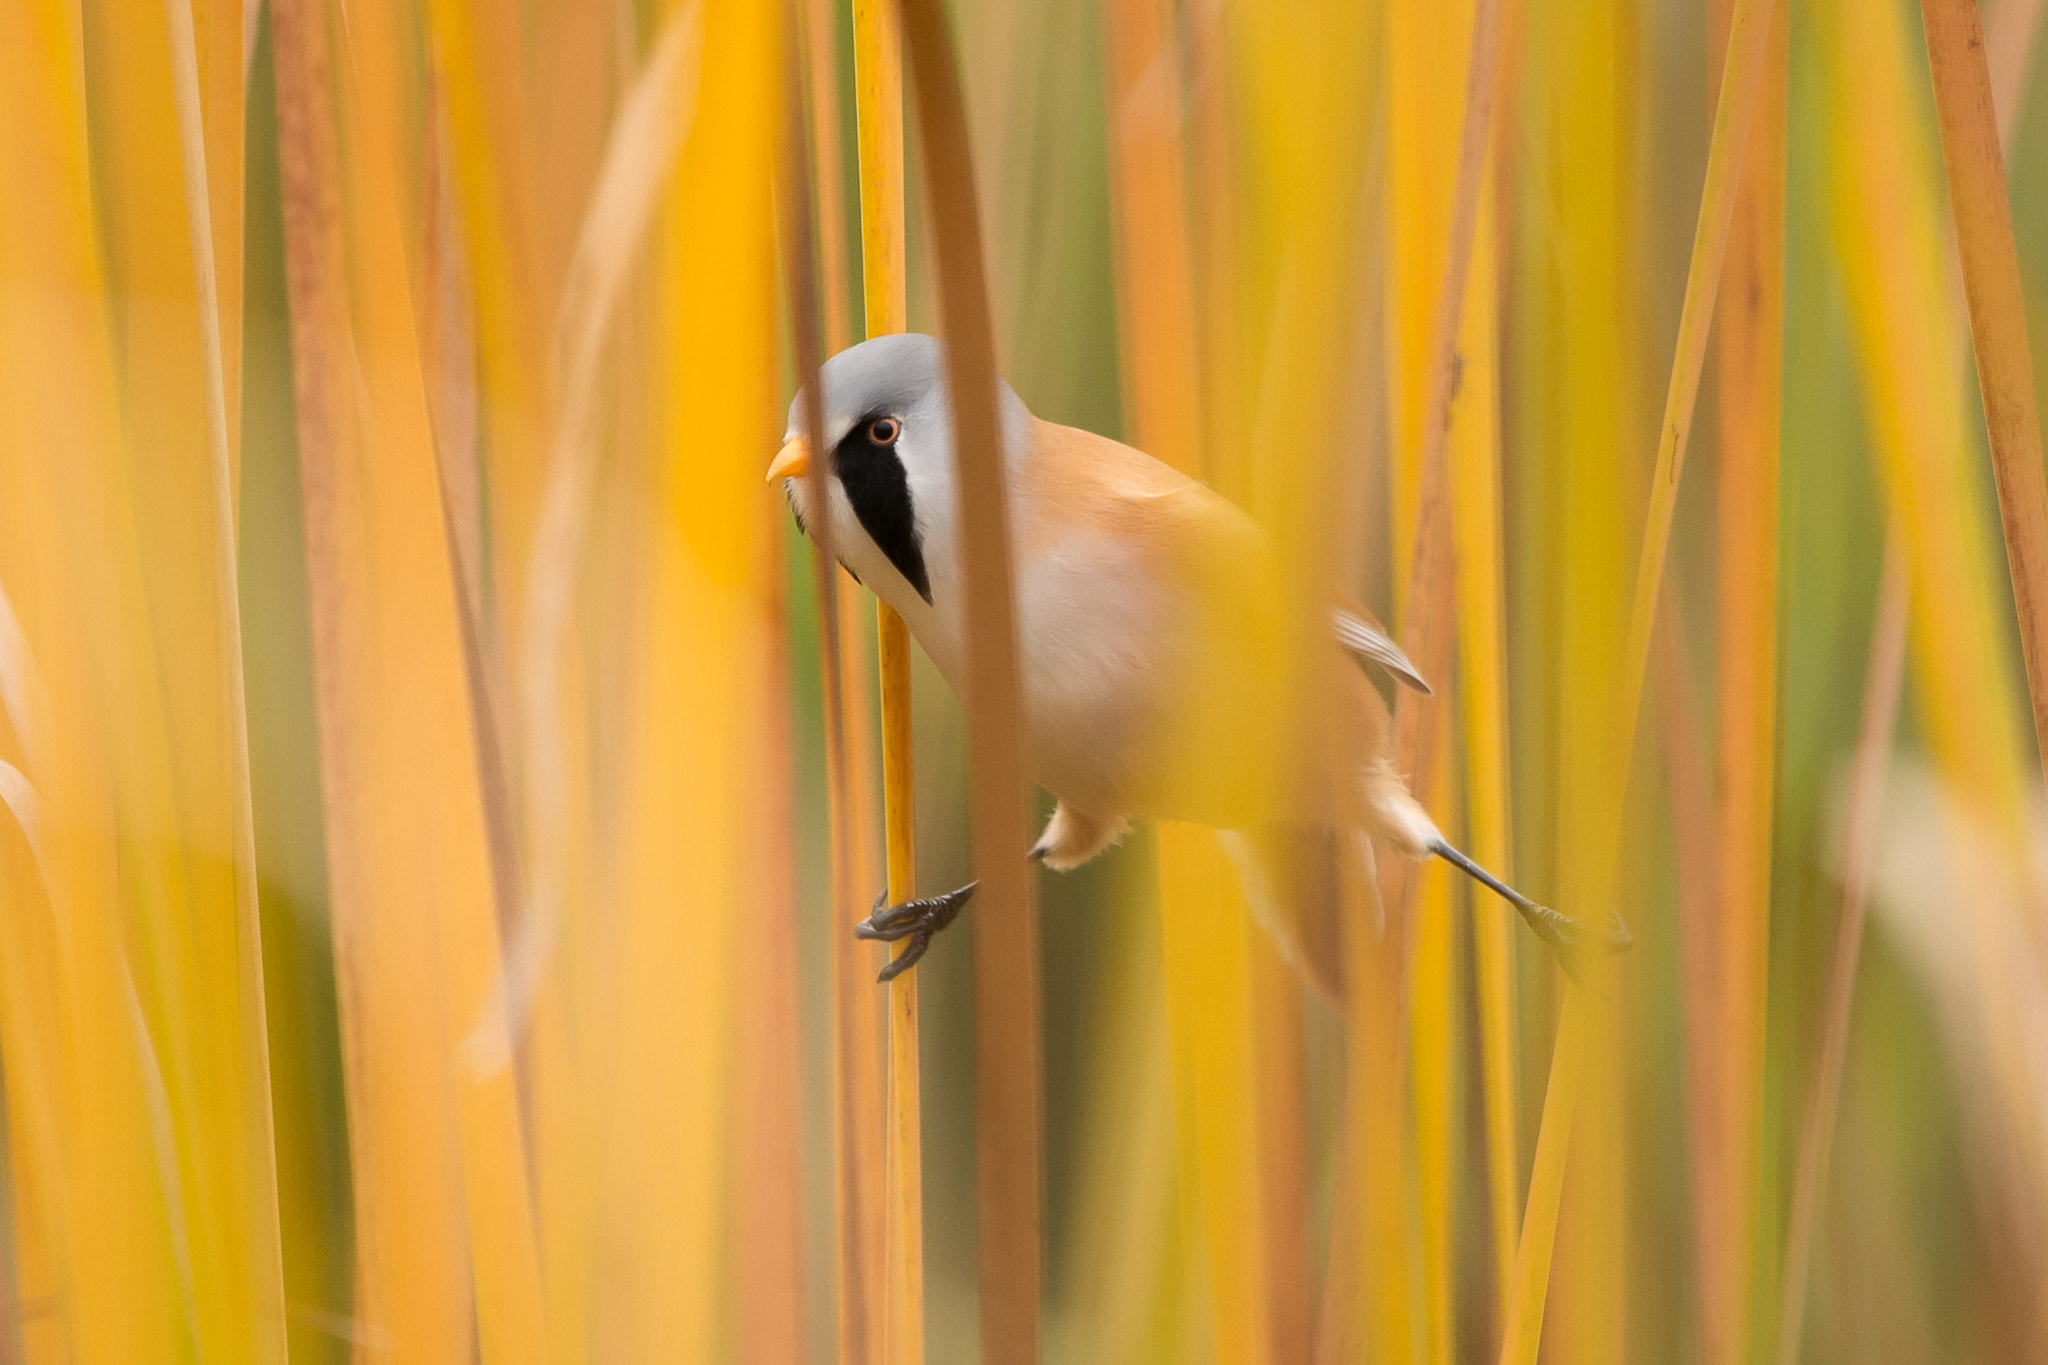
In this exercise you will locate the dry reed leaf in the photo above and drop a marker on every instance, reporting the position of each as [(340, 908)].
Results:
[(219, 79), (639, 160), (1926, 831), (103, 1233), (30, 1019), (193, 924), (400, 769), (1008, 1168), (479, 53), (1861, 821), (448, 345), (559, 824)]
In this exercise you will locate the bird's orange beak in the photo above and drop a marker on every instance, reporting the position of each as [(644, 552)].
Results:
[(792, 461)]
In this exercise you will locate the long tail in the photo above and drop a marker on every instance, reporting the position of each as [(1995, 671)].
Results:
[(1565, 935)]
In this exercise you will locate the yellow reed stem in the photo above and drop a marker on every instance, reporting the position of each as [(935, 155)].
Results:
[(1692, 841), (1482, 646), (1206, 953), (1588, 65), (1606, 702), (878, 102), (1751, 335), (767, 1104), (1128, 1259), (690, 780), (858, 1137), (1285, 1162), (1523, 1336), (1209, 1012), (1748, 59), (1435, 1079)]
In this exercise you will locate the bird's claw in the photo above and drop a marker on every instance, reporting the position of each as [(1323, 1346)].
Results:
[(1619, 939), (1565, 936), (915, 920)]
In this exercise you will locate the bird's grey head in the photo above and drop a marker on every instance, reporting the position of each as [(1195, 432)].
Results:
[(889, 436)]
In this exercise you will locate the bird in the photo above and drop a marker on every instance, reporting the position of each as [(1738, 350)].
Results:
[(1149, 611)]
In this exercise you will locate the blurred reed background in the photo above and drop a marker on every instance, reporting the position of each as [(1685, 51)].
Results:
[(441, 782)]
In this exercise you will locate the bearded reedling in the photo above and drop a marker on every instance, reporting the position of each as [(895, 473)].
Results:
[(1146, 610)]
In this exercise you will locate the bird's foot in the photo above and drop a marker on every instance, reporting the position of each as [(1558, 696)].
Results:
[(1567, 936), (915, 920)]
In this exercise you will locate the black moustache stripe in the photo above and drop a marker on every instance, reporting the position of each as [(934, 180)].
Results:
[(879, 492)]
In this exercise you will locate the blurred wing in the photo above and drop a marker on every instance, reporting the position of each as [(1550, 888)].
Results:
[(1362, 635), (1293, 881)]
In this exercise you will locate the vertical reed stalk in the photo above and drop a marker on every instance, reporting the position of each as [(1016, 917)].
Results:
[(1205, 946), (480, 56), (1699, 901), (1482, 651), (1285, 1162), (1749, 31), (1432, 216), (110, 1260), (405, 814), (1206, 958), (1006, 976), (878, 103), (859, 1209), (1751, 337), (1998, 318), (768, 1105), (688, 774)]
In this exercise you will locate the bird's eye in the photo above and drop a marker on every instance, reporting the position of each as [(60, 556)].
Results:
[(883, 431)]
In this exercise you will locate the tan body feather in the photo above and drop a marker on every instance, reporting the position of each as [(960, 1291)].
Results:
[(1151, 634)]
